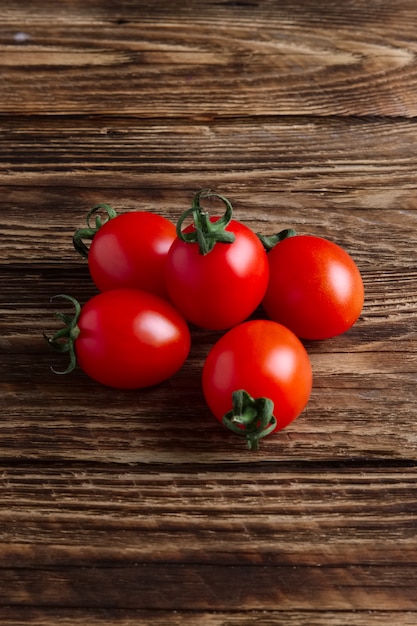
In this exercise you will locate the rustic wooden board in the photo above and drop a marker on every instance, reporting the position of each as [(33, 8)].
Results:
[(204, 59), (138, 507)]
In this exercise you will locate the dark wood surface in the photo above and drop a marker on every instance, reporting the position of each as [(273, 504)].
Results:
[(134, 508)]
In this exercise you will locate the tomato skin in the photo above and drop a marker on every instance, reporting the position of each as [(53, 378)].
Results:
[(130, 339), (315, 288), (220, 289), (130, 251), (265, 359)]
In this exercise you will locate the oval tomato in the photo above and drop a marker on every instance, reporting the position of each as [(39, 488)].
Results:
[(125, 338), (129, 250), (221, 287), (315, 288), (267, 362)]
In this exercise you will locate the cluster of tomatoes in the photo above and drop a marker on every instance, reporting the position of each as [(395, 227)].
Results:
[(156, 279)]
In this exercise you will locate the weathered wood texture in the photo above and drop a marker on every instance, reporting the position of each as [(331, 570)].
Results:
[(201, 58), (138, 507)]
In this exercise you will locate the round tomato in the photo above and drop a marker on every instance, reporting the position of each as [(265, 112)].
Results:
[(315, 288), (128, 250), (216, 270), (125, 338), (257, 379)]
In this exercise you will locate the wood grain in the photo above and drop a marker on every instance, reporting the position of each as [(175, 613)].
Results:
[(123, 617), (138, 507), (271, 59), (297, 156), (195, 546)]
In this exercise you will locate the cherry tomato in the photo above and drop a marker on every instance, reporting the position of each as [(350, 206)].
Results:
[(128, 250), (125, 338), (315, 288), (219, 287), (266, 361)]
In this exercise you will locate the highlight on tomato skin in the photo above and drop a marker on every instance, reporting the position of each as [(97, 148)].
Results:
[(315, 288), (267, 361)]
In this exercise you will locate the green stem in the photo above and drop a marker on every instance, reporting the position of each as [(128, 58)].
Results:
[(206, 233), (64, 339), (90, 232), (250, 418), (270, 241)]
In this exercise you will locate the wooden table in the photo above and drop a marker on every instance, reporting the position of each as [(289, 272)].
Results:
[(136, 508)]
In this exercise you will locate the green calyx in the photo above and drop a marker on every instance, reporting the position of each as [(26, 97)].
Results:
[(250, 418), (90, 231), (64, 339), (270, 241), (206, 233)]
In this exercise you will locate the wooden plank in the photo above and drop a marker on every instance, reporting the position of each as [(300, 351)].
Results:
[(164, 61), (287, 155), (211, 587), (118, 515), (122, 617), (358, 14), (80, 530)]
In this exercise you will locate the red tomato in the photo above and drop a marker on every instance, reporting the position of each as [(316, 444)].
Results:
[(221, 288), (266, 360), (315, 287), (129, 250), (126, 338)]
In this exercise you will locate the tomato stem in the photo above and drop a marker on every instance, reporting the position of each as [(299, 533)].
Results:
[(89, 232), (64, 339), (270, 241), (250, 418), (206, 233)]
